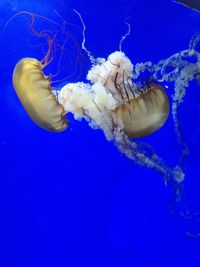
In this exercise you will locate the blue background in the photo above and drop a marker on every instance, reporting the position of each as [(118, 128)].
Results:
[(71, 199)]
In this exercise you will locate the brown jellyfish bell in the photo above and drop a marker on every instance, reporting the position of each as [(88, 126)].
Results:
[(35, 93), (145, 114)]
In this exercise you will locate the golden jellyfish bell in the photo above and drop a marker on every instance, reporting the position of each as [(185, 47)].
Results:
[(145, 114), (34, 91)]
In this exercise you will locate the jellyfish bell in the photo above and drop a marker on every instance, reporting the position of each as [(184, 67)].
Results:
[(145, 114), (34, 91)]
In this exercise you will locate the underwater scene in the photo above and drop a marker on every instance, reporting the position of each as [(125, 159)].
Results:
[(100, 133)]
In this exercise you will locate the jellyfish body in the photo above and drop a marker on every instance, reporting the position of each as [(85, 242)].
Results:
[(34, 91), (111, 95), (146, 113)]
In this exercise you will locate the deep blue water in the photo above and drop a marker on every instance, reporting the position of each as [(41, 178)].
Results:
[(71, 199)]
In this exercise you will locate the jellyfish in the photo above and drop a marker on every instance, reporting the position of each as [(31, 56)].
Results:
[(32, 86), (34, 91), (116, 101), (122, 108)]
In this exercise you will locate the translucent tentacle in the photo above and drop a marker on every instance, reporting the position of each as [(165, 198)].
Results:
[(150, 160)]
